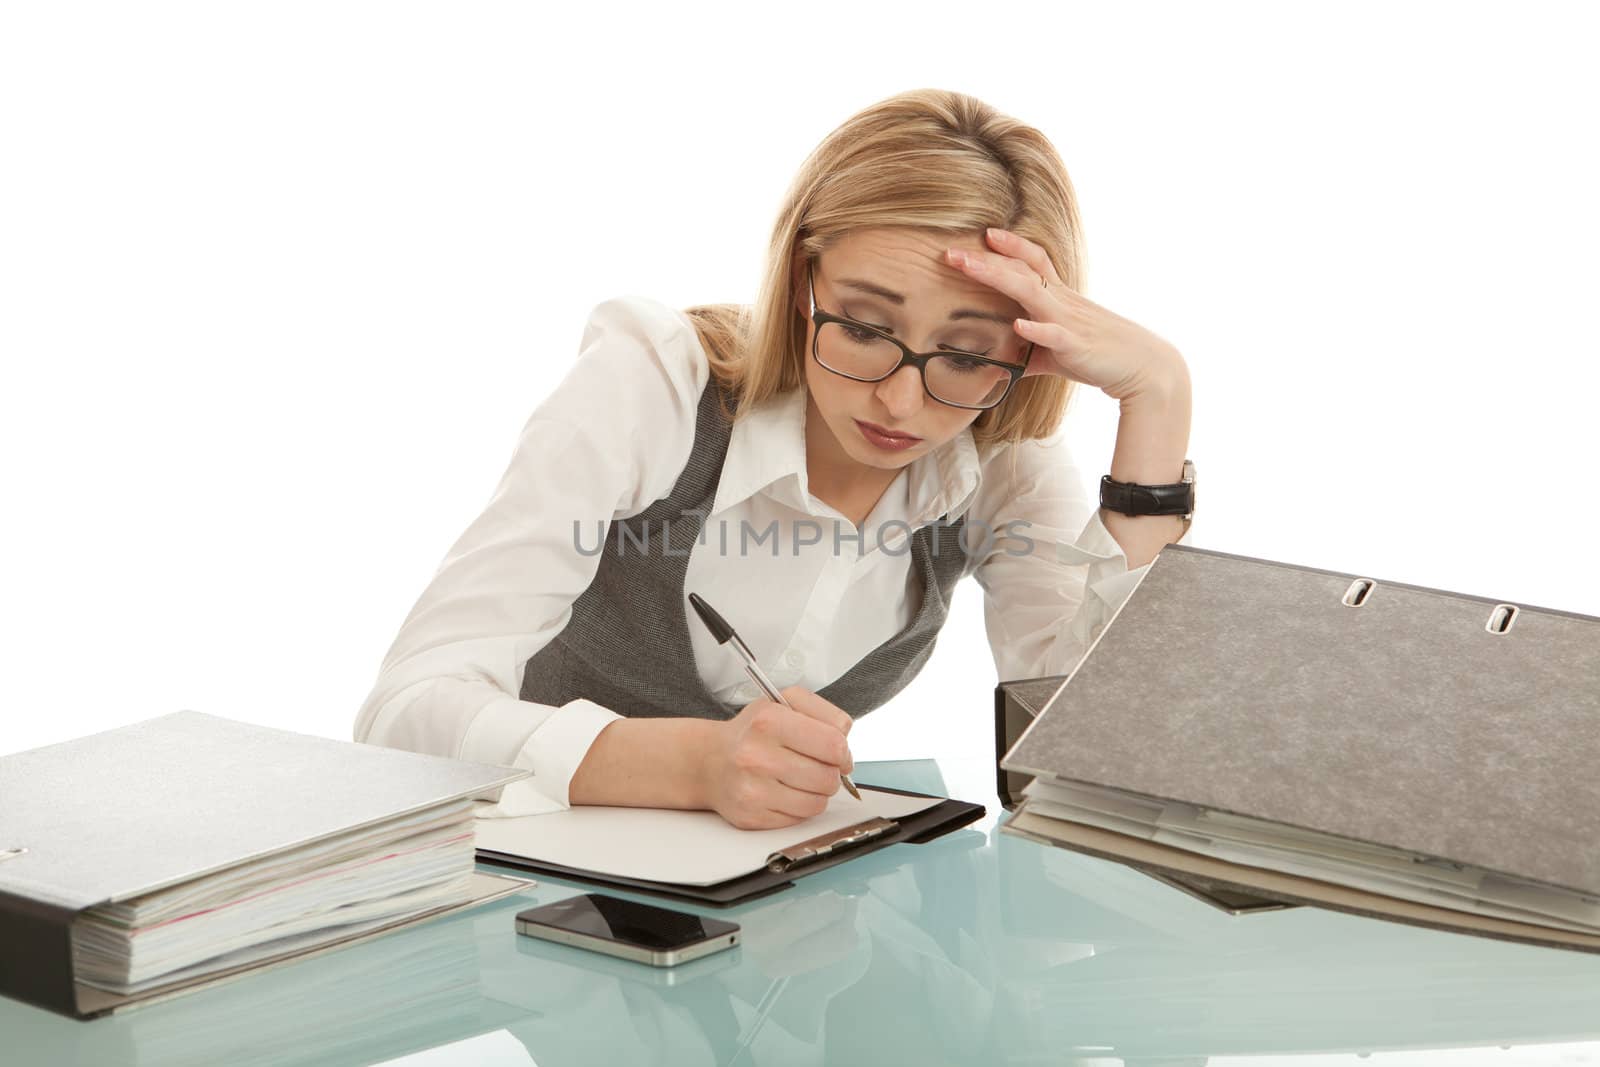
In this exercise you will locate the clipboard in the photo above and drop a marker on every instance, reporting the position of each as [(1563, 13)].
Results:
[(804, 857)]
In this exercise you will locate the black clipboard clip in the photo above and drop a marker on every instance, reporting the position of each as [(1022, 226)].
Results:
[(828, 843)]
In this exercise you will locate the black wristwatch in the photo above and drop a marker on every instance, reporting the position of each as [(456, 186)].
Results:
[(1131, 498)]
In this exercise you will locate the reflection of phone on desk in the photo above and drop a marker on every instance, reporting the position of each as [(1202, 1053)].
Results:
[(642, 932)]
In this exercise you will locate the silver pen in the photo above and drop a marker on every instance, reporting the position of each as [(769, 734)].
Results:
[(726, 635)]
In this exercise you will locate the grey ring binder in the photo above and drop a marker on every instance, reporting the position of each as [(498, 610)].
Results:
[(1433, 723)]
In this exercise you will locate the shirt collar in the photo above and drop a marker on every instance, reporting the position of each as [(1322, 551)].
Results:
[(767, 452)]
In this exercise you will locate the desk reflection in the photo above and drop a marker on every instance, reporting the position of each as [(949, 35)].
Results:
[(378, 999), (982, 948), (973, 948)]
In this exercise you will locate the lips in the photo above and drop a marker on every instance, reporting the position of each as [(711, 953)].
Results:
[(875, 428)]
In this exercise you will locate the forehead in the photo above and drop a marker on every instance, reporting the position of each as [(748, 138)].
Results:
[(912, 262)]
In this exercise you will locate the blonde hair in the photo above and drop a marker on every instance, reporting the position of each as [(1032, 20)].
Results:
[(927, 158)]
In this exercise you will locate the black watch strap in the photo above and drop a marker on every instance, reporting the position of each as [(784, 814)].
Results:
[(1132, 498)]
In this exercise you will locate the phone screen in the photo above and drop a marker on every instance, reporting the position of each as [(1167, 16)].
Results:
[(615, 919)]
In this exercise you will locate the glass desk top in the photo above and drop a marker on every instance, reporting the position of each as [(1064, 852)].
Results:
[(975, 948)]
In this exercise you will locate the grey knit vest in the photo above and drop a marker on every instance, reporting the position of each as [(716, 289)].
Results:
[(626, 645)]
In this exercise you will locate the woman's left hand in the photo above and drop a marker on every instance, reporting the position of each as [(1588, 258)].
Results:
[(1072, 336)]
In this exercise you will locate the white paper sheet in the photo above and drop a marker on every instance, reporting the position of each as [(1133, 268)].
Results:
[(662, 845)]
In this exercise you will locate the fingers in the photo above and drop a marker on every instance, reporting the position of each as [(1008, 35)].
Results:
[(1004, 274), (1017, 267), (785, 764), (806, 774), (798, 804), (818, 738), (817, 742), (760, 801), (806, 702), (1009, 244), (783, 741), (788, 731), (760, 817)]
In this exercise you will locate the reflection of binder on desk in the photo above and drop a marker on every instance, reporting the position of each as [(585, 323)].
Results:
[(697, 856), (174, 853), (1311, 736)]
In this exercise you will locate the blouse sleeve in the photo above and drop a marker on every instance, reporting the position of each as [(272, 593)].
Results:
[(1052, 574), (607, 442)]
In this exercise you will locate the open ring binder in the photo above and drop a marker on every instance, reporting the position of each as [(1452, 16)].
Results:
[(1310, 736)]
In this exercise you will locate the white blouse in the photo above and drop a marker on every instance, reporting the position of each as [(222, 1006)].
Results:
[(610, 440)]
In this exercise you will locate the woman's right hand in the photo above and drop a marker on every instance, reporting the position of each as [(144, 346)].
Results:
[(772, 766)]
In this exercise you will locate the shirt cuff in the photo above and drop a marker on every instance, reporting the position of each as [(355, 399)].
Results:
[(553, 753)]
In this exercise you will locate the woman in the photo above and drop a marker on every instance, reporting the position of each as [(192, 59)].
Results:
[(742, 455)]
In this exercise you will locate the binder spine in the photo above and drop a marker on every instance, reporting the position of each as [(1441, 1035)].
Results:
[(36, 953), (1001, 746)]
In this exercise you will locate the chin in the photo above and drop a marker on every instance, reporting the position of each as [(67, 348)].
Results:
[(889, 463)]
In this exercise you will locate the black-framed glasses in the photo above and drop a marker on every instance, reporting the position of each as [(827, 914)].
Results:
[(951, 376)]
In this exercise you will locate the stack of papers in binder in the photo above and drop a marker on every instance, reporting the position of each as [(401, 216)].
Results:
[(1324, 738), (295, 899), (178, 851)]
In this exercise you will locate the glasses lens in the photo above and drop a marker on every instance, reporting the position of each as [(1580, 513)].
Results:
[(967, 380), (957, 378), (853, 352)]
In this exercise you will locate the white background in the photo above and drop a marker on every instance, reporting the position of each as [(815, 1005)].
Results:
[(279, 284)]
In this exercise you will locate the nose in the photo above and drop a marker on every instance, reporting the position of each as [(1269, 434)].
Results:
[(902, 393)]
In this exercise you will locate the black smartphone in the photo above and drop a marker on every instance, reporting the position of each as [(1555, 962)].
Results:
[(646, 933)]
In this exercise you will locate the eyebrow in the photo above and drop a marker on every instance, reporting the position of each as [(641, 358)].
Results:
[(899, 300)]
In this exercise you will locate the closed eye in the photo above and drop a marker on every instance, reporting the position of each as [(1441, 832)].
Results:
[(867, 330)]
